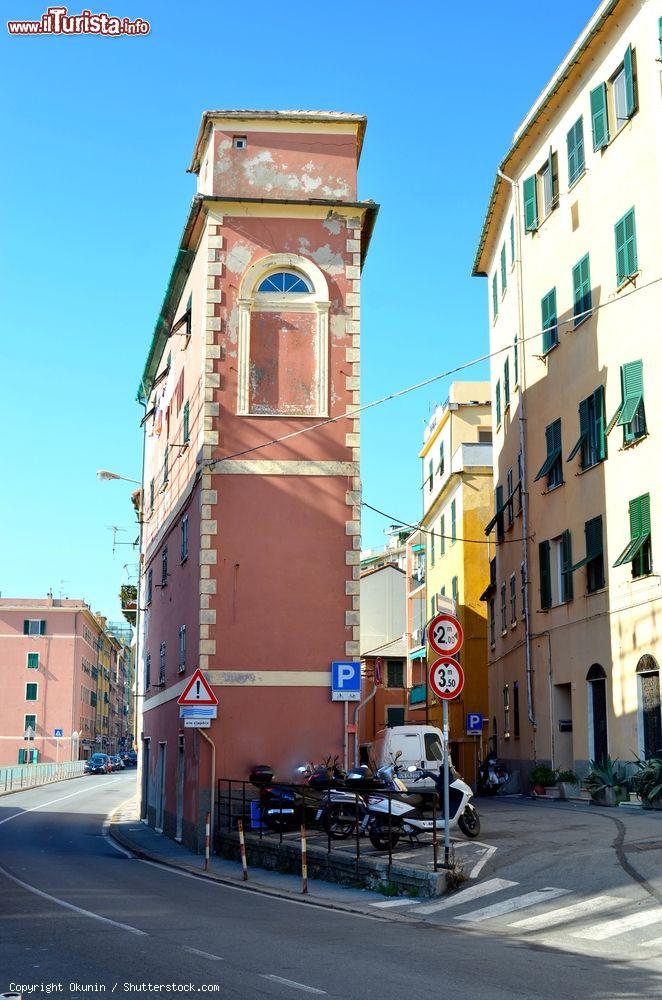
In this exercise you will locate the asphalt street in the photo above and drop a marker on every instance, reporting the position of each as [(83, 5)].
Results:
[(78, 913)]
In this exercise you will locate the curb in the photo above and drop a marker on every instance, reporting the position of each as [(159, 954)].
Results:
[(260, 889)]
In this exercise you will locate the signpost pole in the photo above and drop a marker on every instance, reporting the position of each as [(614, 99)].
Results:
[(447, 848)]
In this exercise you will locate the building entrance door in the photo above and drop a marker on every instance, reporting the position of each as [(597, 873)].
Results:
[(160, 787), (598, 693), (649, 680), (180, 787)]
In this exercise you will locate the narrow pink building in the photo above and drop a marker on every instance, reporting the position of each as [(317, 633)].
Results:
[(48, 652), (251, 502)]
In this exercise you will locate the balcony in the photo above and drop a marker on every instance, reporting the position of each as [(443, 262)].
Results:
[(418, 576), (471, 455)]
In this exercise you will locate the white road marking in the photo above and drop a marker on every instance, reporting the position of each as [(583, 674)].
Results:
[(106, 828), (296, 986), (480, 864), (610, 928), (51, 802), (655, 943), (466, 895), (205, 954), (70, 906), (510, 905), (394, 902), (567, 913)]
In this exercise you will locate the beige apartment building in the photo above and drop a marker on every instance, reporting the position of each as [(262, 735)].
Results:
[(572, 252)]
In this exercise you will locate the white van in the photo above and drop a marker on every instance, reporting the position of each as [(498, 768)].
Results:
[(420, 746)]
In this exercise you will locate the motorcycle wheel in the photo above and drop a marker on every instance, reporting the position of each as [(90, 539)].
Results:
[(337, 824), (469, 822), (379, 838), (281, 824)]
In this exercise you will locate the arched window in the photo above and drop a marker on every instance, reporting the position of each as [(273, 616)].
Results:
[(283, 339), (650, 718), (284, 282), (597, 713)]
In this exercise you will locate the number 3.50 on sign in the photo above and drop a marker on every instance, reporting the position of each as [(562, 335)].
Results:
[(446, 678), (445, 634)]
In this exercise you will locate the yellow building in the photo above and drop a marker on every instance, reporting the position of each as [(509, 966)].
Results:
[(571, 250), (457, 500)]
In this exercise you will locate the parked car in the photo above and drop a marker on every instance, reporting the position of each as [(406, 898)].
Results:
[(99, 763), (116, 762), (130, 758)]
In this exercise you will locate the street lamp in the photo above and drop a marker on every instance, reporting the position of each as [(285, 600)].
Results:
[(106, 475)]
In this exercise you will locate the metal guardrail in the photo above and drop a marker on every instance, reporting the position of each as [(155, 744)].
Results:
[(239, 800), (16, 777)]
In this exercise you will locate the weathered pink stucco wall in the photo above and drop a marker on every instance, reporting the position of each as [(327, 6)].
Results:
[(296, 165), (283, 363)]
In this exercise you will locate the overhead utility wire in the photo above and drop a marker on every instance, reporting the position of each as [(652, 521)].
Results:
[(429, 531), (211, 465)]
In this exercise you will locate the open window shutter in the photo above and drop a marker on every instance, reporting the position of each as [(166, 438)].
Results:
[(530, 204), (593, 532), (629, 81), (630, 243), (635, 518), (554, 174), (583, 429), (42, 627), (572, 155), (499, 512), (26, 627), (566, 552), (632, 382), (599, 121), (545, 575), (503, 267), (600, 436), (546, 339)]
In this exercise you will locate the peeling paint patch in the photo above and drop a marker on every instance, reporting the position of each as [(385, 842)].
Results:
[(329, 260), (235, 677), (337, 326), (223, 162), (333, 224), (238, 258)]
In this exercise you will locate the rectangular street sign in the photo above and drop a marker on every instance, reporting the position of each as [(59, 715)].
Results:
[(345, 680), (197, 723), (474, 724), (57, 733), (198, 711)]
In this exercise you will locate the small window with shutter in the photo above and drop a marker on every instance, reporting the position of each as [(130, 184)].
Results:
[(550, 324), (626, 248), (638, 549)]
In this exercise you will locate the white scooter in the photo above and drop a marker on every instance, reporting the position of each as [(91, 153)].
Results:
[(462, 812)]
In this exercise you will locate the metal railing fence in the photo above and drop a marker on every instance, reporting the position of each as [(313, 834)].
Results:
[(17, 776)]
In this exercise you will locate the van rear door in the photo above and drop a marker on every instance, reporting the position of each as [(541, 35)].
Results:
[(411, 746), (434, 752)]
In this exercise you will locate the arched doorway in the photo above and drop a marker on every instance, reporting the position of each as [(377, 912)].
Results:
[(597, 710), (651, 715)]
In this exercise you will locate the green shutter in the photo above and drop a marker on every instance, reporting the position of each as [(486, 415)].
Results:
[(26, 627), (453, 522), (553, 442), (497, 393), (599, 121), (549, 321), (506, 383), (42, 627), (516, 362), (530, 204), (659, 31), (495, 298), (454, 588), (442, 539), (626, 247), (632, 387), (629, 82), (33, 661), (581, 286), (512, 239), (575, 141), (185, 423), (593, 532), (640, 528), (499, 512), (599, 418), (503, 267), (583, 430), (566, 575), (545, 575)]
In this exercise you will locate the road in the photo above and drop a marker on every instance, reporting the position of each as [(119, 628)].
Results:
[(78, 912)]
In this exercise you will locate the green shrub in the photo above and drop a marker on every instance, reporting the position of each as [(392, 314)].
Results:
[(542, 774), (569, 777), (607, 774), (647, 782)]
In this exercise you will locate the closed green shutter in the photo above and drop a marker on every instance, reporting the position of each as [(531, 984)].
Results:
[(497, 393), (503, 268), (506, 383), (512, 239), (454, 589), (626, 247), (659, 31), (453, 522), (495, 298), (599, 121), (600, 437), (581, 285), (575, 141), (629, 82), (593, 533), (185, 423), (442, 539), (499, 512), (566, 574), (549, 321), (545, 575), (42, 627), (530, 204), (516, 363)]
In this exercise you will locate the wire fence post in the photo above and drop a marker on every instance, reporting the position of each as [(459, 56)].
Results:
[(242, 850), (304, 859), (356, 810), (207, 839), (390, 835), (435, 845), (229, 805)]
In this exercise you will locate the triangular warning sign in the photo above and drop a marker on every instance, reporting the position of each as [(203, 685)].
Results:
[(197, 692)]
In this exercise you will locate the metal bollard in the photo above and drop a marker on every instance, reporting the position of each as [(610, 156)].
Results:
[(207, 839), (242, 848), (435, 857), (304, 860)]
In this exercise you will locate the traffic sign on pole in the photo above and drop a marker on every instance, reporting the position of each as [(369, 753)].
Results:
[(445, 634), (197, 691), (446, 678), (345, 680)]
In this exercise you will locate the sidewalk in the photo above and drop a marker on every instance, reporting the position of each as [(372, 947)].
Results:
[(126, 828)]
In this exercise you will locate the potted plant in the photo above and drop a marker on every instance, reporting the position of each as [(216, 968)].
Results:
[(567, 783), (647, 782), (607, 782), (542, 777)]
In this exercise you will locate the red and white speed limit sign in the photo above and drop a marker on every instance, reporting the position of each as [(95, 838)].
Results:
[(445, 634), (446, 678)]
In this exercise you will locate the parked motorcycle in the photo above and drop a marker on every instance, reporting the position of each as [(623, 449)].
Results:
[(462, 812), (285, 807), (492, 775)]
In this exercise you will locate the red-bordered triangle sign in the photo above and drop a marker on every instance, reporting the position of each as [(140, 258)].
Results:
[(197, 692)]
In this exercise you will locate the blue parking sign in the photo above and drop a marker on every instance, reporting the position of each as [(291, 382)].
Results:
[(345, 680), (474, 724)]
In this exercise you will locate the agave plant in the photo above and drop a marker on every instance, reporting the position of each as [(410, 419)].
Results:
[(647, 782), (606, 774)]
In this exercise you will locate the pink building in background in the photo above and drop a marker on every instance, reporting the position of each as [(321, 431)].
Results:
[(251, 548), (48, 652)]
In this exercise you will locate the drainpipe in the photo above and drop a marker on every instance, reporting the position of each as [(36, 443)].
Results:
[(140, 672), (522, 443), (213, 783)]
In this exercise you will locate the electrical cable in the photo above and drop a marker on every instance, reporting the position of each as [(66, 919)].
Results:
[(429, 531)]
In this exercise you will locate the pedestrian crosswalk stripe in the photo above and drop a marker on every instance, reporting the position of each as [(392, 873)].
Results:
[(467, 895), (510, 905), (655, 943), (567, 913), (610, 928), (386, 903)]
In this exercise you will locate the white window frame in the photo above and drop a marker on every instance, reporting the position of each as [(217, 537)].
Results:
[(27, 660), (31, 700), (37, 622)]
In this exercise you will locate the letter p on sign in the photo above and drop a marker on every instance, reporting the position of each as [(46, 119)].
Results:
[(345, 680)]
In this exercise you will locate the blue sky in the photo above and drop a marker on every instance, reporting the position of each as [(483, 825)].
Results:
[(97, 136)]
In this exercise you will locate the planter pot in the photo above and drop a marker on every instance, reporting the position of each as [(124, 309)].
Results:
[(651, 804), (568, 790), (610, 797), (553, 793), (539, 789)]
